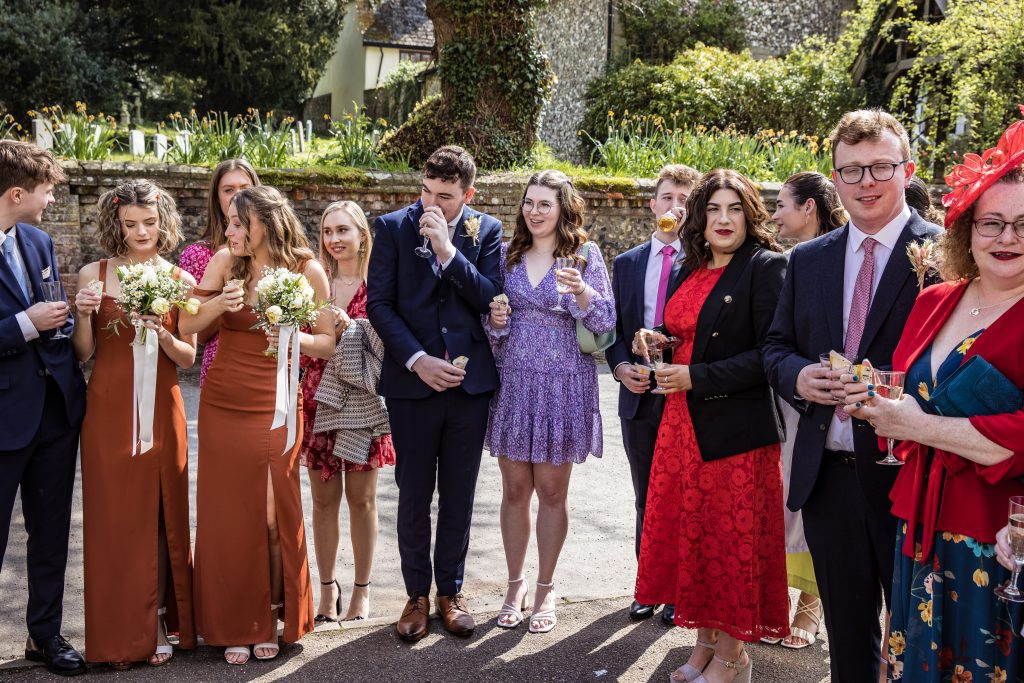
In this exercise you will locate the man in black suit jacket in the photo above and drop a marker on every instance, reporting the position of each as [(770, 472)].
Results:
[(42, 398), (427, 311), (850, 290), (640, 296)]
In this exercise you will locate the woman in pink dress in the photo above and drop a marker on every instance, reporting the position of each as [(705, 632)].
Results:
[(345, 244), (228, 178)]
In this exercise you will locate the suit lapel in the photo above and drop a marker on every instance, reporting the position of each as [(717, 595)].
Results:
[(460, 239), (712, 307), (640, 281), (833, 266), (33, 267), (9, 279), (894, 278)]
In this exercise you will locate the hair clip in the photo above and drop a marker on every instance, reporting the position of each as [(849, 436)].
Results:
[(158, 196), (115, 200)]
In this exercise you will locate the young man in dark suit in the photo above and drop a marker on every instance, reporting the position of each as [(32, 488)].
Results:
[(427, 312), (640, 284), (42, 398), (850, 290)]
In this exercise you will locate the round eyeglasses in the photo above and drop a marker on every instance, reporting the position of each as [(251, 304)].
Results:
[(881, 171), (543, 208)]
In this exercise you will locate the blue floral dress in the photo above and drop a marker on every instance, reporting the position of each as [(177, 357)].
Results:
[(947, 624)]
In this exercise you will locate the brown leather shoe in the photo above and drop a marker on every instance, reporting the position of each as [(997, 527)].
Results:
[(413, 624), (457, 619)]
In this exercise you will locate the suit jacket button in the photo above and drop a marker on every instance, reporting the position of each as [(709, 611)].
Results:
[(41, 373), (442, 299), (444, 330), (822, 427), (714, 334), (728, 299)]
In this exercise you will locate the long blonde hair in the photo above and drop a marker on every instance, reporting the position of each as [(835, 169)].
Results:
[(284, 235), (365, 237)]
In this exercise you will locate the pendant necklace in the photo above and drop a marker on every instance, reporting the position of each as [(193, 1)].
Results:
[(979, 308)]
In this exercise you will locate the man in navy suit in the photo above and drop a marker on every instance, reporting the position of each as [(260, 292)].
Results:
[(850, 290), (428, 311), (42, 398), (640, 284)]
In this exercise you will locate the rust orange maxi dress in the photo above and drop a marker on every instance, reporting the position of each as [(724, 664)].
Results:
[(124, 499), (236, 449)]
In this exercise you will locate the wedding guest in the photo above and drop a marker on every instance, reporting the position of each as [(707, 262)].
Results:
[(250, 540), (952, 494), (850, 291), (338, 463), (639, 287), (135, 517), (43, 402), (434, 271), (807, 207), (546, 415), (228, 178), (713, 541)]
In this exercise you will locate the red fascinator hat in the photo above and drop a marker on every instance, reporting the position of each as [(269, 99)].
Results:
[(976, 174)]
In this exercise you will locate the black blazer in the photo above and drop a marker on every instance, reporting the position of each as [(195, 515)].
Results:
[(809, 322), (731, 405), (629, 276)]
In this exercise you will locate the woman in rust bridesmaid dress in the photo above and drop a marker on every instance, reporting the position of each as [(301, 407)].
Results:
[(251, 567), (138, 560)]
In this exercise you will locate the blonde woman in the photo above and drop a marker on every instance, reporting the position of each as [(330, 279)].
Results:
[(251, 567), (138, 561), (345, 245)]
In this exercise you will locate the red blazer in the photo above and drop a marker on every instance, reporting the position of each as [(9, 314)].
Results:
[(959, 495)]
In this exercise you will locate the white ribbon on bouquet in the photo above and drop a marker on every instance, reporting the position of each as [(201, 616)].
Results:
[(145, 353), (286, 401)]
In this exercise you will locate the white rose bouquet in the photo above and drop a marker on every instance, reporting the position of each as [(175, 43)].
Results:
[(150, 289), (284, 298)]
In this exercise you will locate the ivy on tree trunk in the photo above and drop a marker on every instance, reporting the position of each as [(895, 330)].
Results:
[(494, 80)]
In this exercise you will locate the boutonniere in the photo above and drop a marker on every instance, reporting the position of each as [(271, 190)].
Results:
[(922, 259), (472, 227)]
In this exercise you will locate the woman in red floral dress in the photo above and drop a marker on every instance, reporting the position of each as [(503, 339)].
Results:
[(713, 542), (345, 244)]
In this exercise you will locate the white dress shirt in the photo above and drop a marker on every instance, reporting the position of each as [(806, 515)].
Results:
[(28, 330), (653, 276), (451, 235), (840, 434)]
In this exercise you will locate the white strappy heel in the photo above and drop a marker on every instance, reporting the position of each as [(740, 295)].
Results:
[(510, 616), (276, 647)]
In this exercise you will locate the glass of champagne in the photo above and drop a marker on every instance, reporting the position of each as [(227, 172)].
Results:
[(889, 384), (53, 292), (655, 356), (561, 263), (1009, 591)]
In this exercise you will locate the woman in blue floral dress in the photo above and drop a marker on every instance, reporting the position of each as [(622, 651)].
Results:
[(545, 416)]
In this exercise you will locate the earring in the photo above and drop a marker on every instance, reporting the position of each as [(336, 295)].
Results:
[(362, 248)]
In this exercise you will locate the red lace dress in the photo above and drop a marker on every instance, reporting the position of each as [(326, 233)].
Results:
[(713, 542), (318, 449)]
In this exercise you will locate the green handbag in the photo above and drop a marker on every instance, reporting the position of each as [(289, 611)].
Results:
[(588, 341)]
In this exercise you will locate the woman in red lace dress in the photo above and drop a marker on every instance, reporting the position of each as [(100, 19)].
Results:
[(713, 542), (345, 244)]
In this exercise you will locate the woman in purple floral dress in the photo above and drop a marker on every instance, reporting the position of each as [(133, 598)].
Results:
[(228, 178), (545, 415)]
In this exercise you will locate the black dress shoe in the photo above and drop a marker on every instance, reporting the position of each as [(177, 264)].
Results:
[(639, 611), (58, 655), (668, 615)]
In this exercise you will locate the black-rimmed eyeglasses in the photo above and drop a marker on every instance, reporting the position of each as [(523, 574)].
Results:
[(993, 227), (881, 171)]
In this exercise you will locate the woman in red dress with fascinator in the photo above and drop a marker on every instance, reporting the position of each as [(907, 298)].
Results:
[(964, 464)]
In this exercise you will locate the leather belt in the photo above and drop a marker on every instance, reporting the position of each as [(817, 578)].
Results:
[(847, 458)]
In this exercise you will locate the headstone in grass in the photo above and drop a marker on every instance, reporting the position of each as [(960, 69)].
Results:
[(160, 146), (183, 142), (42, 134), (309, 131), (293, 147), (302, 136), (137, 143)]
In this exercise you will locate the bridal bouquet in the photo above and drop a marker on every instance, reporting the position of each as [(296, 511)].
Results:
[(149, 289), (285, 300)]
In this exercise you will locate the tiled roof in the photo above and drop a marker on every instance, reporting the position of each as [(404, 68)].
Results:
[(401, 22)]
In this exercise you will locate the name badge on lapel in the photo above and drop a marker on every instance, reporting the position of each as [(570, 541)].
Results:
[(46, 273)]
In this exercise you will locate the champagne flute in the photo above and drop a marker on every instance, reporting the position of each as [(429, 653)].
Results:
[(1009, 591), (423, 251), (53, 292), (560, 264), (655, 356), (889, 384)]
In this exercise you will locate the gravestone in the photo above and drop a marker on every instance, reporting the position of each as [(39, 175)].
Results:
[(137, 143), (42, 133), (160, 146)]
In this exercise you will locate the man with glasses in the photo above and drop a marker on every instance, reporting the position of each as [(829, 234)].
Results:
[(851, 291)]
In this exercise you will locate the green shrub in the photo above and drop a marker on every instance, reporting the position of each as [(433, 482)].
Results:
[(807, 90), (656, 30)]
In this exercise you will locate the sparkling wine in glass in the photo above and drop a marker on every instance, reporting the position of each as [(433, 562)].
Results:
[(655, 356), (889, 384), (424, 251), (54, 292), (1009, 591), (560, 264)]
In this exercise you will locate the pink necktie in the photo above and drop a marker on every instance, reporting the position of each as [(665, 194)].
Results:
[(667, 252), (859, 308)]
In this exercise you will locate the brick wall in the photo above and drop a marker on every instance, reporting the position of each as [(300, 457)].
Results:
[(617, 216)]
